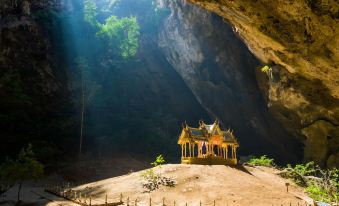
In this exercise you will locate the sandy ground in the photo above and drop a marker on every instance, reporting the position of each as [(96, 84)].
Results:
[(245, 186), (225, 185)]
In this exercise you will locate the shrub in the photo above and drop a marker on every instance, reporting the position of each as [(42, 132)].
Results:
[(320, 184), (289, 173), (261, 161), (308, 169), (320, 194), (152, 180)]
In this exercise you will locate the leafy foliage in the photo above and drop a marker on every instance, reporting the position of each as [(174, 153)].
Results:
[(320, 184), (265, 69), (306, 170), (158, 161), (318, 193), (90, 12), (261, 161), (25, 167), (122, 33), (152, 180)]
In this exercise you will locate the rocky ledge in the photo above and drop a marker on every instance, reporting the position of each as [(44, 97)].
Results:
[(299, 41)]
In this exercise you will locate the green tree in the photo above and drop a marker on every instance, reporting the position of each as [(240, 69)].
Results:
[(25, 167), (123, 34), (90, 12)]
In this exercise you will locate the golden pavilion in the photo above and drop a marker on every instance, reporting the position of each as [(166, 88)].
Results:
[(208, 145)]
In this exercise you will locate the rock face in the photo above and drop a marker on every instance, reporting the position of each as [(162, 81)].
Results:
[(295, 103), (220, 70), (33, 89), (299, 40)]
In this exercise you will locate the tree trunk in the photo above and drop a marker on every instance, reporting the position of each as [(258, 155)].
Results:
[(82, 113), (19, 190)]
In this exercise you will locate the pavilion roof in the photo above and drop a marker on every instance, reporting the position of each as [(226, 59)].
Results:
[(209, 127), (197, 133), (228, 137), (204, 132)]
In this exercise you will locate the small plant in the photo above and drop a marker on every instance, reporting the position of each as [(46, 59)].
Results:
[(158, 161), (265, 69), (261, 161), (152, 180)]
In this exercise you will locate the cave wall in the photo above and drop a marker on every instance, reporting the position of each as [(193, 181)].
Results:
[(198, 67), (34, 103), (220, 70), (139, 110), (299, 40)]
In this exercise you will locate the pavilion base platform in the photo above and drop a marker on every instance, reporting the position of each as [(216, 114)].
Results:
[(208, 161)]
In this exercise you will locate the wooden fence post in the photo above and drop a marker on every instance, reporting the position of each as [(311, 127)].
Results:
[(213, 202), (287, 184), (163, 201), (150, 201), (120, 197), (90, 200), (75, 195), (106, 199), (135, 202), (174, 203), (127, 201), (200, 203)]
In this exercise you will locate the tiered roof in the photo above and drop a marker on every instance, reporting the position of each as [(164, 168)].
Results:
[(205, 132)]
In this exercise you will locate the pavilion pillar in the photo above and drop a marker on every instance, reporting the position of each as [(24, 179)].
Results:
[(182, 150), (185, 150), (226, 152), (193, 149), (232, 152), (199, 150), (223, 152), (189, 149), (235, 153)]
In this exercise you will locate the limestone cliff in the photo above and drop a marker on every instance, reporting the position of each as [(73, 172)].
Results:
[(299, 40), (220, 71)]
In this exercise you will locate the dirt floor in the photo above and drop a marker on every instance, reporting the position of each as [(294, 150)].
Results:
[(194, 183), (244, 186)]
